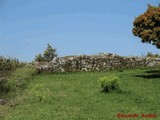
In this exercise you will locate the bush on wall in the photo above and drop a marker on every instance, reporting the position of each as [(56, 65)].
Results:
[(9, 64)]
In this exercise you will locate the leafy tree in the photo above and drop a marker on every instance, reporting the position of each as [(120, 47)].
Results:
[(48, 54), (147, 26)]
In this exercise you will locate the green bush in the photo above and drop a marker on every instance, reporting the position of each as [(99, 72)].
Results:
[(7, 67), (18, 79), (9, 64), (109, 83), (39, 58)]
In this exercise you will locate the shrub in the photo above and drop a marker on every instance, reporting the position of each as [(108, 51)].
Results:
[(9, 64), (39, 58), (7, 67), (109, 83), (18, 79)]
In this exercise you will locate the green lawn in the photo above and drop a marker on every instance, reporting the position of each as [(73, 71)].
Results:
[(78, 96)]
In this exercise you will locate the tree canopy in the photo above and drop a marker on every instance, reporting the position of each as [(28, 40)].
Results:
[(147, 26), (48, 54)]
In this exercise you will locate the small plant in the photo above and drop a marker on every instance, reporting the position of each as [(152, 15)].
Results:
[(109, 83), (40, 91)]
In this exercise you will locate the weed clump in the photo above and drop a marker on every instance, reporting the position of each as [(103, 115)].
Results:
[(40, 91)]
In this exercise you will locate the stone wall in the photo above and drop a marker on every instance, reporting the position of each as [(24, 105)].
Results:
[(101, 62)]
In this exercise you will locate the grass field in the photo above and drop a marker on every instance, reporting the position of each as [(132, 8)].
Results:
[(78, 96)]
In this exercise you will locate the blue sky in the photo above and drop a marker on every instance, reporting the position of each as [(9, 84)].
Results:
[(71, 26)]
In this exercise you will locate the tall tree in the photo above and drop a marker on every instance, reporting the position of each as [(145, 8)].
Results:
[(147, 26), (49, 53)]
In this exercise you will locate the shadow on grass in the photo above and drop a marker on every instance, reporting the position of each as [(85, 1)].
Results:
[(119, 91), (151, 74)]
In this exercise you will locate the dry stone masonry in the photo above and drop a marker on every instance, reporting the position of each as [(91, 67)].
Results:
[(101, 62)]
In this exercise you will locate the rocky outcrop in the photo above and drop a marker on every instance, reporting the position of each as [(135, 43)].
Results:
[(101, 62)]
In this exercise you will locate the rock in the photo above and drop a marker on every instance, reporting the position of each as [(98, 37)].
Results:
[(62, 70), (152, 64)]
